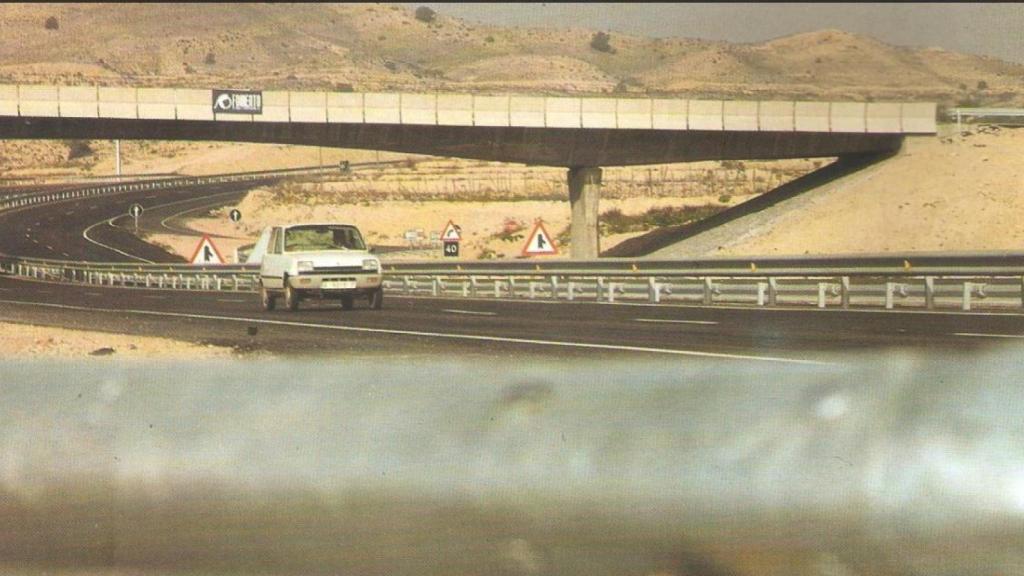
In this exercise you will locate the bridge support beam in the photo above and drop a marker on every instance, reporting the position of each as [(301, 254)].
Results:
[(584, 196)]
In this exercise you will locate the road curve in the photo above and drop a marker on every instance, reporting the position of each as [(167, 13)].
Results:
[(98, 228)]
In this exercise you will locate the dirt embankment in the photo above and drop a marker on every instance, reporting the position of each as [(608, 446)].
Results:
[(946, 193), (21, 341)]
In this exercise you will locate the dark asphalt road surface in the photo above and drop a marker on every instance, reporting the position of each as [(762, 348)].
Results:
[(501, 328), (99, 229)]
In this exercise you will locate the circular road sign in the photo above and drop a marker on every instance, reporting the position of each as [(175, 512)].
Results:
[(235, 215), (135, 210)]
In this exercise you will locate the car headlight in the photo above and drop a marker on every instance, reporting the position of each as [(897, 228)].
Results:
[(371, 264), (305, 265)]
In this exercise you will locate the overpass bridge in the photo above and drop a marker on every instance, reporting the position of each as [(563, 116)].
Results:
[(580, 134)]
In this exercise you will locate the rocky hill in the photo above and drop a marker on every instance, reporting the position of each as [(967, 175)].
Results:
[(387, 47)]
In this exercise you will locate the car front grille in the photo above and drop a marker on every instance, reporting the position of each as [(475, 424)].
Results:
[(338, 270)]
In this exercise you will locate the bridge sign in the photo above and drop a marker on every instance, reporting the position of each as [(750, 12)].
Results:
[(237, 102), (235, 215), (206, 253), (539, 242)]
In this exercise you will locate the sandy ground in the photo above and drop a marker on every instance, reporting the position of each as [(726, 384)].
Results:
[(940, 194), (385, 223), (23, 341)]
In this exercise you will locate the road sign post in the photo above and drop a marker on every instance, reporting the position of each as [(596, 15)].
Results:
[(450, 237), (539, 242), (135, 210)]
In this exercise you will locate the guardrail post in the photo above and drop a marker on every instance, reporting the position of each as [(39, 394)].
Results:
[(890, 288), (762, 287), (533, 290), (822, 288), (497, 288), (708, 286), (512, 287), (653, 290), (473, 286), (929, 292), (968, 287), (554, 287), (844, 288), (612, 286), (773, 291), (570, 287), (405, 285), (217, 282), (435, 281), (465, 288), (600, 287)]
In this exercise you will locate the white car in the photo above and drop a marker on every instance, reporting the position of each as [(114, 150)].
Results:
[(318, 261)]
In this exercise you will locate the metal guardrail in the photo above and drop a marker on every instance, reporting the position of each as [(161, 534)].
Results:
[(31, 199), (993, 281), (961, 113)]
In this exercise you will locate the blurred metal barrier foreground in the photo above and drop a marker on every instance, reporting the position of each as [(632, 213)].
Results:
[(882, 465)]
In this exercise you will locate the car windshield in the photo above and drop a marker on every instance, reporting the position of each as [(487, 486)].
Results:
[(322, 237)]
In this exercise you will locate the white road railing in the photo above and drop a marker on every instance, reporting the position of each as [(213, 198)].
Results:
[(510, 110)]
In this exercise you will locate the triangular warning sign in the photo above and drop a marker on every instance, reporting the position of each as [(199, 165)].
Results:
[(452, 233), (206, 253), (539, 242)]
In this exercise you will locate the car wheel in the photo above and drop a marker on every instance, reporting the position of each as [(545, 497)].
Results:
[(268, 300), (377, 299), (291, 297), (346, 301)]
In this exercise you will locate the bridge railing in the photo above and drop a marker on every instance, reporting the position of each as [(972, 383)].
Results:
[(38, 101), (963, 282)]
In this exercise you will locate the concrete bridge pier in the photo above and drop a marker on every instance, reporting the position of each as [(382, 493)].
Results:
[(584, 196)]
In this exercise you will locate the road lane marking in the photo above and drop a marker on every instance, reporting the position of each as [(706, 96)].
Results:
[(983, 335), (739, 307), (208, 205), (668, 321), (470, 312), (230, 300), (392, 331), (85, 234)]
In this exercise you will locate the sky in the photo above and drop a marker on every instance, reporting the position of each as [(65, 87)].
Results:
[(991, 29)]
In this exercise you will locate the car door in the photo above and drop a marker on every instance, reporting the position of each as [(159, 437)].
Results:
[(272, 270)]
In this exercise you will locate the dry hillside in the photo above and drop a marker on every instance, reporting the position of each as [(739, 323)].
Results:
[(385, 47), (956, 193)]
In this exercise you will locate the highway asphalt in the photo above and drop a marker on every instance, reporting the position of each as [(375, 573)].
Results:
[(436, 327), (98, 229)]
